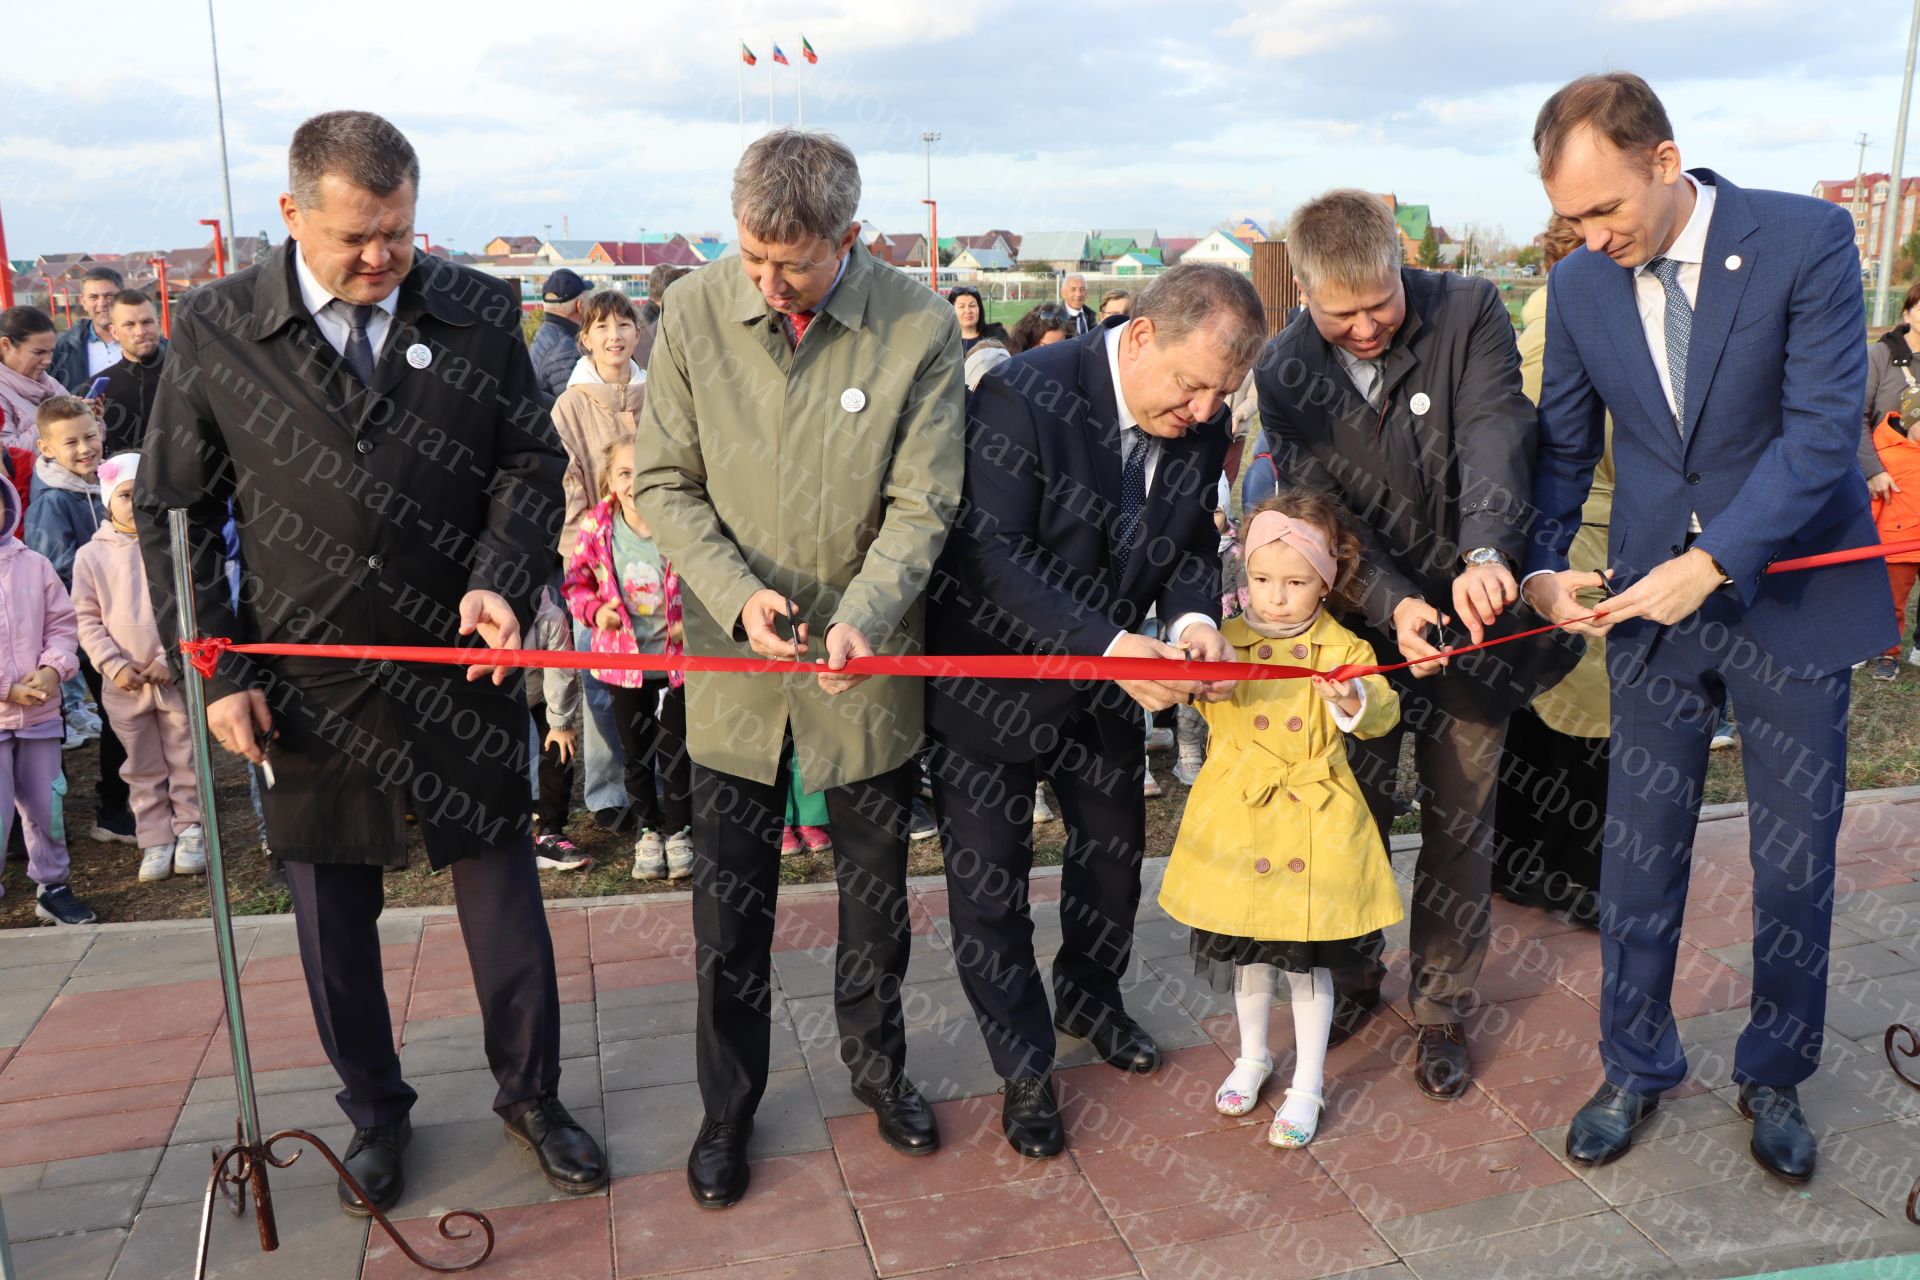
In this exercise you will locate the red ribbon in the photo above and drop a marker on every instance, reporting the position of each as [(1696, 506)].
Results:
[(205, 654)]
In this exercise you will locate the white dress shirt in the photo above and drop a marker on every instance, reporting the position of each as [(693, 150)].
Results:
[(100, 355), (333, 324), (1689, 249), (1362, 373), (1128, 443)]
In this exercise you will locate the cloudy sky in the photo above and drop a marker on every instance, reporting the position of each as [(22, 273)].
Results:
[(610, 120)]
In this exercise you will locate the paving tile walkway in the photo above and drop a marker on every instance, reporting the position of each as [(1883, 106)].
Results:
[(115, 1086)]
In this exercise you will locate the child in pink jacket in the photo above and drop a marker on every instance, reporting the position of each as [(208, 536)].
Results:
[(618, 584), (37, 652), (139, 696)]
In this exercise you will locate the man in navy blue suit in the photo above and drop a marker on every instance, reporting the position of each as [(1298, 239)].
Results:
[(1723, 329)]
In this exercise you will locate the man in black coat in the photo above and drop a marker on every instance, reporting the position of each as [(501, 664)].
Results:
[(1398, 391), (1092, 474), (126, 402), (371, 422)]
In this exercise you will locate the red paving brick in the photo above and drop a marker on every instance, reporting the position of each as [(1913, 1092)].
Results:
[(978, 1226), (643, 973), (1101, 1260), (564, 1240), (1105, 1108), (634, 932), (43, 1075), (1375, 1121), (973, 1153), (136, 1015), (1288, 1251), (71, 1137), (1449, 1178), (796, 1205), (831, 1264), (1151, 1177), (397, 956)]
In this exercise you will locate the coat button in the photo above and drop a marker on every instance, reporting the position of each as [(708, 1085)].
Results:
[(365, 446), (1260, 722), (1262, 866), (1293, 724), (1266, 651), (1693, 477), (1296, 866), (386, 668), (374, 562), (1299, 651)]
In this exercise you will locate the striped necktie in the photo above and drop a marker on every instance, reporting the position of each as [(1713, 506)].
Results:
[(1679, 327)]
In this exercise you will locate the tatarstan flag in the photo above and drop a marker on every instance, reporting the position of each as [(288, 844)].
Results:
[(746, 55), (780, 57), (806, 50)]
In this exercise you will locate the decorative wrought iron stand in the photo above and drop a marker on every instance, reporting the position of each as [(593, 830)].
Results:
[(1901, 1031), (244, 1165)]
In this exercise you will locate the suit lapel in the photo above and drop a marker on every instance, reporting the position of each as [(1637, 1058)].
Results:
[(1620, 312), (1102, 422), (1721, 288)]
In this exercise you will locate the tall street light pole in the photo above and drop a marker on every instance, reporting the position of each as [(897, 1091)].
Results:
[(1890, 215), (933, 216), (220, 115)]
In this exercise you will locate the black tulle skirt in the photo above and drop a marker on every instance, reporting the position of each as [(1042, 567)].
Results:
[(1217, 955)]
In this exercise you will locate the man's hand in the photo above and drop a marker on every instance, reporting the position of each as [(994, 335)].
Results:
[(1204, 643), (1411, 618), (1154, 695), (1552, 597), (127, 679), (564, 742), (240, 723), (756, 619), (1672, 592), (607, 618), (1480, 594), (1882, 485), (488, 614), (844, 640)]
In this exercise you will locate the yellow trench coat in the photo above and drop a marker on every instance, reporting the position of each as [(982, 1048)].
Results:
[(1277, 842)]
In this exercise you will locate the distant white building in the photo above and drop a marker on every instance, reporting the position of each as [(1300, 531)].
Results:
[(557, 253), (1221, 248), (982, 259), (1061, 250)]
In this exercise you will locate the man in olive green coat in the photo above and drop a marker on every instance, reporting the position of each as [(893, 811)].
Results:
[(799, 460)]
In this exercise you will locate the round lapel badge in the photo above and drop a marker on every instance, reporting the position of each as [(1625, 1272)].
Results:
[(1733, 262), (853, 399), (1420, 403), (419, 356)]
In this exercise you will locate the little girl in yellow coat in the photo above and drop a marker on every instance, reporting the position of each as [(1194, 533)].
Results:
[(1278, 865)]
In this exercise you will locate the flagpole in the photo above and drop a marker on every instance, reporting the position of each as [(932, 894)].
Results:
[(800, 93), (741, 64), (771, 64)]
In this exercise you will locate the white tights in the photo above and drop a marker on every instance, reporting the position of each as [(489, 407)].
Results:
[(1312, 995)]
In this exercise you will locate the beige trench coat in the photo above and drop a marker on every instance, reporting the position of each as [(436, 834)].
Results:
[(829, 473)]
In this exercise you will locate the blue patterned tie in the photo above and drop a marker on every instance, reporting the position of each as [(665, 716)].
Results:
[(1133, 496), (1679, 329), (359, 349)]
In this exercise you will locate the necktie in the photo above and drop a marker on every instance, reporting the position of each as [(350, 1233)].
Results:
[(798, 323), (1679, 328), (1133, 496), (1366, 376), (359, 349)]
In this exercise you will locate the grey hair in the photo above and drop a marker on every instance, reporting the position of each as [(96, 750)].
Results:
[(792, 184), (1198, 295), (358, 146), (1346, 238)]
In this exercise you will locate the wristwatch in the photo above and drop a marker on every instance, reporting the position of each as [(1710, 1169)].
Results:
[(1486, 555)]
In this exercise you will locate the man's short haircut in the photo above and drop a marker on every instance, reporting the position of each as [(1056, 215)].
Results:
[(358, 146), (1618, 106), (99, 275), (796, 185), (1199, 295), (1346, 238), (55, 409), (131, 298), (660, 277)]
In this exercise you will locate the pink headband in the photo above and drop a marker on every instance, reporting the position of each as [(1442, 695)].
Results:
[(1277, 526)]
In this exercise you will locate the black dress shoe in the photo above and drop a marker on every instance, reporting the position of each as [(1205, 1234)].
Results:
[(373, 1158), (1603, 1129), (1349, 1015), (1118, 1039), (717, 1165), (1783, 1142), (569, 1157), (1030, 1117), (904, 1119), (1441, 1069)]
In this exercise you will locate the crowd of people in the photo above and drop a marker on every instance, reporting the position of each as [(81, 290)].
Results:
[(806, 455)]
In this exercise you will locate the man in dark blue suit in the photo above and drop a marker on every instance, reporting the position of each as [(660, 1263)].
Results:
[(1723, 330), (1092, 474)]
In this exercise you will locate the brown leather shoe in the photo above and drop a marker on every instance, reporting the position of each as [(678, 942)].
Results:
[(1442, 1070)]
